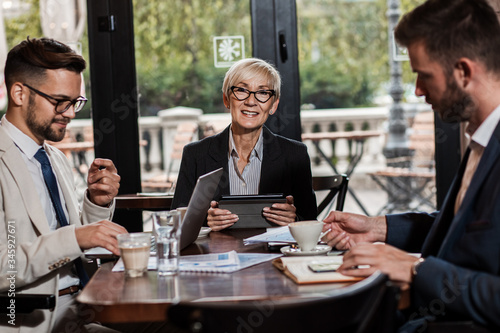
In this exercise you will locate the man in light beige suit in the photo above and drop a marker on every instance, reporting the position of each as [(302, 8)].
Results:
[(37, 255)]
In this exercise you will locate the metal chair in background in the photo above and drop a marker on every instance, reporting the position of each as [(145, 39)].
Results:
[(337, 185), (409, 181)]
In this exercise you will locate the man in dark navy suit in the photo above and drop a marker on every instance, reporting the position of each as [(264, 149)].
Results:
[(454, 48)]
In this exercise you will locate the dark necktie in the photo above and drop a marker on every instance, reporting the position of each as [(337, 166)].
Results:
[(51, 183)]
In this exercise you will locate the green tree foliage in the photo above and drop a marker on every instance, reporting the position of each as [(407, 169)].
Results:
[(174, 53), (19, 27), (22, 26), (343, 49)]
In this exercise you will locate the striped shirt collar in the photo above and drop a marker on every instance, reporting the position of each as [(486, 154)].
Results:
[(258, 148)]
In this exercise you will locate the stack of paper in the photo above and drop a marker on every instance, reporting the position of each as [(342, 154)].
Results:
[(227, 262), (273, 235)]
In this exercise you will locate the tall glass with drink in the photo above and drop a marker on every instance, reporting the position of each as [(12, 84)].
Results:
[(167, 229)]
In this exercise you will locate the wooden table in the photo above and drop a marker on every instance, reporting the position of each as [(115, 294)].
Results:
[(358, 137), (113, 298)]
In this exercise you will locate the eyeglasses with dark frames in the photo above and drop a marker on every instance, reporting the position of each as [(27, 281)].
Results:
[(61, 105), (260, 95)]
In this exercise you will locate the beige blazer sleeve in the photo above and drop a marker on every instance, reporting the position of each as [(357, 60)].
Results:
[(28, 248)]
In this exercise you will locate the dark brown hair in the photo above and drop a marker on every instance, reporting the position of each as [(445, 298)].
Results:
[(451, 29), (29, 60)]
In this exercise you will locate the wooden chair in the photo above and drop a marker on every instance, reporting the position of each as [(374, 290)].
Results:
[(336, 185), (355, 308), (184, 134), (411, 177)]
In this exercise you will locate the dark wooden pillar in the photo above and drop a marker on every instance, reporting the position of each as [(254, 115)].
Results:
[(274, 38), (114, 95)]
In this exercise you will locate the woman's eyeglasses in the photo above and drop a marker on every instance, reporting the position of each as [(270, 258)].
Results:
[(261, 95)]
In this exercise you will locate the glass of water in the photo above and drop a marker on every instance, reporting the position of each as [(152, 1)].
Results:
[(167, 229)]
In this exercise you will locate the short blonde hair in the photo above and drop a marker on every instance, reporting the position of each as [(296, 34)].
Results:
[(250, 68)]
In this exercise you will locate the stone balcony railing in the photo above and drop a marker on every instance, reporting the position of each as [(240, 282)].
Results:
[(158, 133)]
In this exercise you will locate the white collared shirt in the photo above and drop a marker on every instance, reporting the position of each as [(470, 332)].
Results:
[(484, 132), (248, 181), (28, 148)]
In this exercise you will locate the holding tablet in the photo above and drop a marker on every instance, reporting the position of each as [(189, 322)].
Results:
[(249, 209), (254, 159)]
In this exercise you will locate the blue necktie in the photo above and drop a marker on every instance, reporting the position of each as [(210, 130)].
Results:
[(50, 181)]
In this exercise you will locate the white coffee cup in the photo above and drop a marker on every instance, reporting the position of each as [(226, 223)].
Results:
[(306, 233), (134, 250), (183, 211)]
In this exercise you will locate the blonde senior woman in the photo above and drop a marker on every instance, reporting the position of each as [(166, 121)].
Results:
[(255, 160)]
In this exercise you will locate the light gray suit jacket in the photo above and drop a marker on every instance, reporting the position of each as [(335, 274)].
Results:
[(29, 251)]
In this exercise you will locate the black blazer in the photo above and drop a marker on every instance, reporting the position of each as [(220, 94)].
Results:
[(460, 279), (286, 168)]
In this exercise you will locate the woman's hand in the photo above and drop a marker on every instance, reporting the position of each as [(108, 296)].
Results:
[(219, 219), (281, 213)]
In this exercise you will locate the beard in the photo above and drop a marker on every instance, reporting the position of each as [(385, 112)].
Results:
[(43, 129), (456, 105)]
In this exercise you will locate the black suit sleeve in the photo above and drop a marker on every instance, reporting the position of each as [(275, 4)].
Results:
[(303, 194), (408, 231), (186, 180)]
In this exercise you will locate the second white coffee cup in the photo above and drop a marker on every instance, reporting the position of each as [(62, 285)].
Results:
[(306, 233)]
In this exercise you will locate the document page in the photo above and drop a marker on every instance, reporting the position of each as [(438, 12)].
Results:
[(226, 262), (279, 234)]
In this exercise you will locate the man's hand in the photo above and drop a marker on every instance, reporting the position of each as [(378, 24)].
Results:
[(347, 229), (281, 213), (219, 219), (103, 182), (388, 259), (102, 233)]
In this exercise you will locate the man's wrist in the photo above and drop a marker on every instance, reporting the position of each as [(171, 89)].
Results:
[(380, 229), (415, 266), (94, 203)]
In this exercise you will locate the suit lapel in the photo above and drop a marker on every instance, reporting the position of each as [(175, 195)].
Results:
[(218, 157), (487, 162), (270, 161), (17, 167), (446, 215), (448, 225)]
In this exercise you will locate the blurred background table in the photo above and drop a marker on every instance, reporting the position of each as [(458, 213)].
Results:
[(358, 138), (147, 201)]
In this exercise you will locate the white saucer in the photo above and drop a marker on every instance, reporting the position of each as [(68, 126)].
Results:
[(319, 250), (204, 231)]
